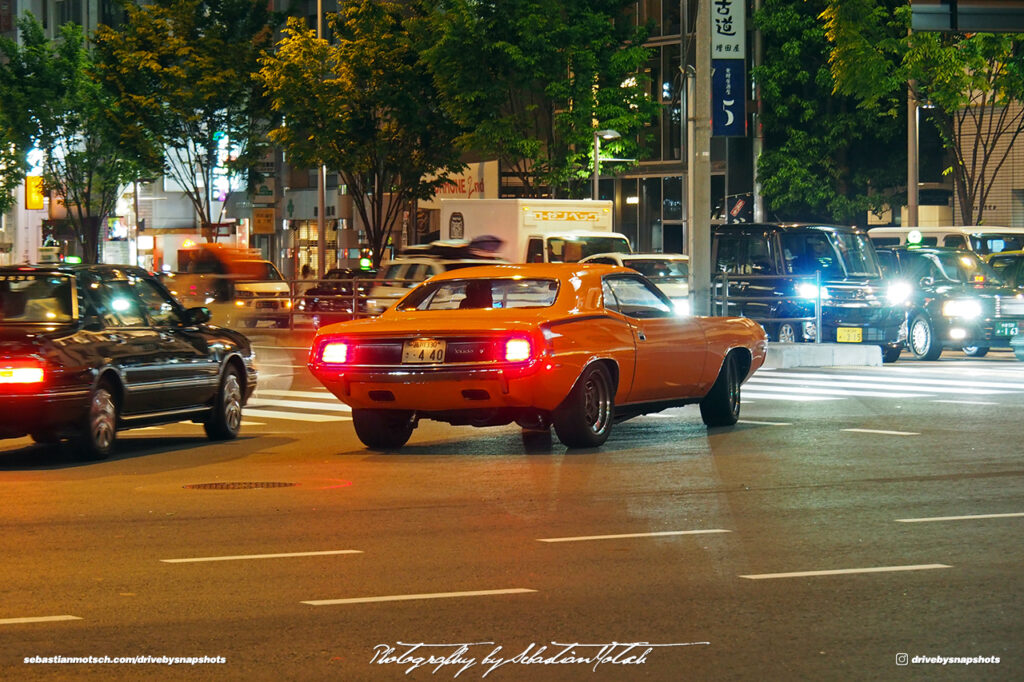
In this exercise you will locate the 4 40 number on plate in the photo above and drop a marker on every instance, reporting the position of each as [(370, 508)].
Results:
[(423, 351)]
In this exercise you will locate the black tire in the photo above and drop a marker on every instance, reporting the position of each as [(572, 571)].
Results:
[(975, 351), (890, 354), (383, 429), (786, 332), (225, 418), (921, 339), (584, 419), (97, 436), (721, 406)]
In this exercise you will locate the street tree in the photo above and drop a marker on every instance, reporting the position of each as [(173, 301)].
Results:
[(365, 105), (973, 82), (51, 102), (531, 81), (183, 74), (821, 158)]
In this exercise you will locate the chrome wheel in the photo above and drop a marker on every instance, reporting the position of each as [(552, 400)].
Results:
[(787, 333), (597, 402), (95, 439), (584, 419), (922, 339), (225, 420)]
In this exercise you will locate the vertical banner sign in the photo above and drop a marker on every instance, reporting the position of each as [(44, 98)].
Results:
[(728, 68), (34, 194)]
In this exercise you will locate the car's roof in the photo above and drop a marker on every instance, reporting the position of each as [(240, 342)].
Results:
[(71, 268), (638, 256), (795, 226), (530, 270), (1013, 254)]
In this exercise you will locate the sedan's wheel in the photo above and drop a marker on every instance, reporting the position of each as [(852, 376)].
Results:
[(721, 406), (96, 437), (922, 339), (890, 354), (785, 333), (225, 418), (383, 429), (584, 419), (975, 351)]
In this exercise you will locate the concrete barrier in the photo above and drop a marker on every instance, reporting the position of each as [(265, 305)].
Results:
[(783, 355)]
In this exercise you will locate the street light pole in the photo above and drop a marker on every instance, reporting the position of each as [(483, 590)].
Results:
[(598, 136), (321, 181)]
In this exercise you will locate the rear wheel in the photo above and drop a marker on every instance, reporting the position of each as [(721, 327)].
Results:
[(890, 354), (786, 333), (225, 418), (584, 419), (383, 429), (721, 406), (975, 351), (96, 437)]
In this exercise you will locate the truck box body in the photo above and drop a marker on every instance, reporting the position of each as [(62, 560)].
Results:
[(534, 230)]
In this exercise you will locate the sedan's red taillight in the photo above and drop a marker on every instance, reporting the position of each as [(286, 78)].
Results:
[(334, 352), (517, 350), (21, 373)]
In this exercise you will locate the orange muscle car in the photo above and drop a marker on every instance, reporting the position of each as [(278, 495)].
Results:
[(565, 344)]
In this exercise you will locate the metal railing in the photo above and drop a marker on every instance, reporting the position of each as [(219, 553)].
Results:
[(721, 298)]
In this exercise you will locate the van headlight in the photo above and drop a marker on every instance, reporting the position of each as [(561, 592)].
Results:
[(810, 292), (966, 308), (898, 292)]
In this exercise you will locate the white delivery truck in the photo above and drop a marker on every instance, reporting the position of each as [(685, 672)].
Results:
[(534, 230)]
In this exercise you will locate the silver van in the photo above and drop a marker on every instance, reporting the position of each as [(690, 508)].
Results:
[(981, 239)]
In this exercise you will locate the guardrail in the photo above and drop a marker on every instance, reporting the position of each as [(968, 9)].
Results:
[(720, 298)]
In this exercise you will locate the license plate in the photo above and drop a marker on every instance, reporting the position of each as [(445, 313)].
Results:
[(423, 351), (266, 304), (1006, 328), (849, 335)]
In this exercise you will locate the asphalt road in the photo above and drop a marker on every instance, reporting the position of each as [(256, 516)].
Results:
[(853, 516)]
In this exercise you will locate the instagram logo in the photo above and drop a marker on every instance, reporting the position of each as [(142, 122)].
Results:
[(901, 659)]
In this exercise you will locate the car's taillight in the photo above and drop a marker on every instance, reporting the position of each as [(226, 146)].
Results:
[(334, 352), (517, 350), (21, 373)]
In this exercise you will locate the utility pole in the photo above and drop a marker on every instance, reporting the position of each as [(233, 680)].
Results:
[(912, 168), (758, 131), (698, 172), (321, 180)]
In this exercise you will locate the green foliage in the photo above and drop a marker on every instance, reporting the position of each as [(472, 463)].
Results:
[(531, 80), (183, 74), (822, 158), (52, 102), (974, 81), (365, 105)]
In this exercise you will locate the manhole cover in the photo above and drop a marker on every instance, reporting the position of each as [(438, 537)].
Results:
[(241, 485)]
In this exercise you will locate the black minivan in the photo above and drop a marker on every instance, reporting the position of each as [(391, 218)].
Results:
[(776, 273)]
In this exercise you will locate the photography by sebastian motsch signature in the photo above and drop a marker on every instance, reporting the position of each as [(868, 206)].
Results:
[(488, 656)]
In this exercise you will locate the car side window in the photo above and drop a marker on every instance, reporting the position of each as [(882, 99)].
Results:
[(635, 298), (158, 306), (118, 305), (535, 251)]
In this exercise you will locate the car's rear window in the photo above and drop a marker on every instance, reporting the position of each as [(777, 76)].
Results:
[(482, 293), (35, 297)]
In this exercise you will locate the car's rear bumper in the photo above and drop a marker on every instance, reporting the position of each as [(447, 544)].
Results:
[(446, 390), (21, 414)]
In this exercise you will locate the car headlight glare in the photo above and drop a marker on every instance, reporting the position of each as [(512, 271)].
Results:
[(898, 292), (966, 308), (810, 292)]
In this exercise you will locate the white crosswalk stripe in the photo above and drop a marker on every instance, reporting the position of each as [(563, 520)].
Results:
[(302, 406), (808, 385)]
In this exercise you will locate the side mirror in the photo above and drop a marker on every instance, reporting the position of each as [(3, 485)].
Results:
[(198, 315)]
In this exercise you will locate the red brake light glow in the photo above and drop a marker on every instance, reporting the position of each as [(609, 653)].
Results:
[(21, 374), (334, 352), (517, 350)]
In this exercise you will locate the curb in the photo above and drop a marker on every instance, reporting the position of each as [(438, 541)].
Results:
[(787, 355)]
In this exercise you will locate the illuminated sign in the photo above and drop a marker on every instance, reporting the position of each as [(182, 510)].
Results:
[(567, 216), (34, 193)]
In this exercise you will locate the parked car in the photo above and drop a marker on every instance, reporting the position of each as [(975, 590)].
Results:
[(418, 264), (981, 239), (88, 350), (240, 288), (571, 345), (776, 273), (956, 301), (668, 271), (340, 296)]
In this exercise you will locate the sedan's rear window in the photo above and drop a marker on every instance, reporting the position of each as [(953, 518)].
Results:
[(453, 294), (35, 297)]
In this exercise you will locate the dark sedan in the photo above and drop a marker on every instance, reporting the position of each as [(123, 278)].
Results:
[(88, 350), (339, 297)]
